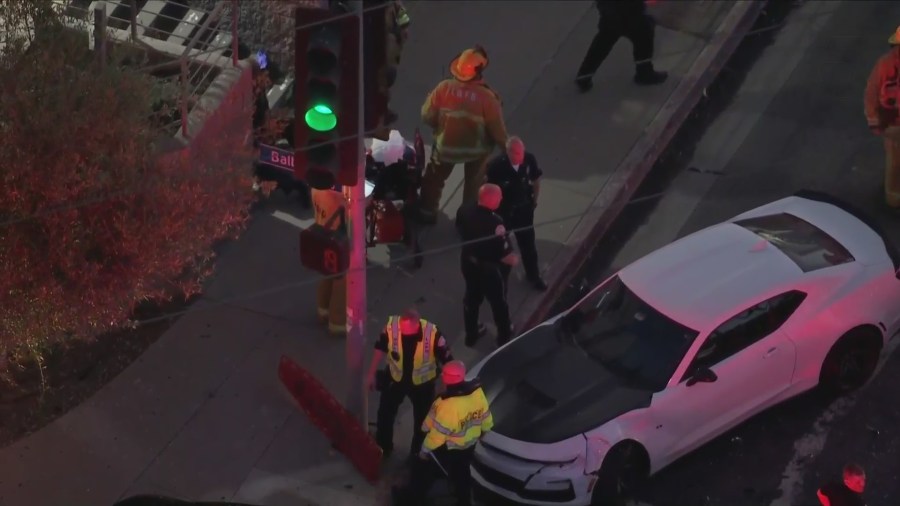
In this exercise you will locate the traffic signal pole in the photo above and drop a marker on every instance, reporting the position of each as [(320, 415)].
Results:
[(356, 274)]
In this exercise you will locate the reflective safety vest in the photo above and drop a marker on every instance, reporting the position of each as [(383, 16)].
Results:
[(424, 363), (467, 119), (457, 421)]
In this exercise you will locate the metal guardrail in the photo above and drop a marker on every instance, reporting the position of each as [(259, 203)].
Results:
[(197, 44)]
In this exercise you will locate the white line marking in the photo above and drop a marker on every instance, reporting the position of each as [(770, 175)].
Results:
[(293, 220)]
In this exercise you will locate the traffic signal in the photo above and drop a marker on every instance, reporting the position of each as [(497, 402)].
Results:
[(326, 98), (382, 30)]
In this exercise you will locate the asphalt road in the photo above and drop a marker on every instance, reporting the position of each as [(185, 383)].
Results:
[(787, 114)]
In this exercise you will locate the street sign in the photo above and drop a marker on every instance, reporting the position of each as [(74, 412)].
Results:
[(279, 158)]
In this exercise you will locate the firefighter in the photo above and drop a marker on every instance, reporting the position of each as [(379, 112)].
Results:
[(486, 260), (415, 349), (882, 104), (331, 294), (466, 117), (622, 18), (458, 418)]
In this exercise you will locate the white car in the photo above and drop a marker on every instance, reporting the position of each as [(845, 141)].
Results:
[(684, 344)]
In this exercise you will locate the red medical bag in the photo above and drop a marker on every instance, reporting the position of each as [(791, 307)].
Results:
[(387, 221), (324, 251)]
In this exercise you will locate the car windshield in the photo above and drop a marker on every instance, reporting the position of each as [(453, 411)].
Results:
[(808, 246), (627, 336)]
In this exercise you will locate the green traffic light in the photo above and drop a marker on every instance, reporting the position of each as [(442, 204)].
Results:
[(321, 118)]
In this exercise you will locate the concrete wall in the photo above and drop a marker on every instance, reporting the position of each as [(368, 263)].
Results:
[(219, 128)]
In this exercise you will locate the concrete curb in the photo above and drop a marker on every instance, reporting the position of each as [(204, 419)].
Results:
[(625, 180)]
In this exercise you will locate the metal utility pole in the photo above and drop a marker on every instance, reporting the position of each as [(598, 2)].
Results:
[(356, 275), (100, 32)]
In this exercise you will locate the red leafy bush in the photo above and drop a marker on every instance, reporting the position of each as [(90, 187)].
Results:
[(93, 220)]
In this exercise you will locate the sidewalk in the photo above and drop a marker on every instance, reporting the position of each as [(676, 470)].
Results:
[(201, 414)]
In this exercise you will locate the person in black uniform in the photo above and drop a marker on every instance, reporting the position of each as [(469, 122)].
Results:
[(486, 260), (620, 18), (517, 174), (415, 351)]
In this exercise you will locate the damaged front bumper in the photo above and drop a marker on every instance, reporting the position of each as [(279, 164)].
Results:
[(538, 482)]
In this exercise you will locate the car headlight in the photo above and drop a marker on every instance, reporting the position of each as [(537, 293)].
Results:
[(594, 453)]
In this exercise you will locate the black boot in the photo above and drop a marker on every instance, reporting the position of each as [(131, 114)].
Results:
[(584, 83), (646, 75), (538, 283), (387, 447)]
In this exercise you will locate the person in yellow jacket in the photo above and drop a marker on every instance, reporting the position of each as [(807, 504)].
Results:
[(466, 117), (331, 293), (458, 419), (882, 106), (415, 350)]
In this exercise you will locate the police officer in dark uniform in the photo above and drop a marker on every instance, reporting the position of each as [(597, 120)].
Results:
[(486, 260), (622, 18), (516, 172)]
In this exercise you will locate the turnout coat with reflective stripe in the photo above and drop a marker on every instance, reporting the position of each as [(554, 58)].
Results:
[(467, 119)]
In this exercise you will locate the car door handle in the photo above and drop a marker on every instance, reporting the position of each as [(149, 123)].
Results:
[(771, 352)]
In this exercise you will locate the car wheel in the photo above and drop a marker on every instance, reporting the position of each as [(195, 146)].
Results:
[(624, 469), (850, 362)]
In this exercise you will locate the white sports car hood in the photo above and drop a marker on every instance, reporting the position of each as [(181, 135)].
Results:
[(542, 391)]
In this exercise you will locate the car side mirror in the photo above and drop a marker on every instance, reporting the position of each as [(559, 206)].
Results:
[(702, 375)]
